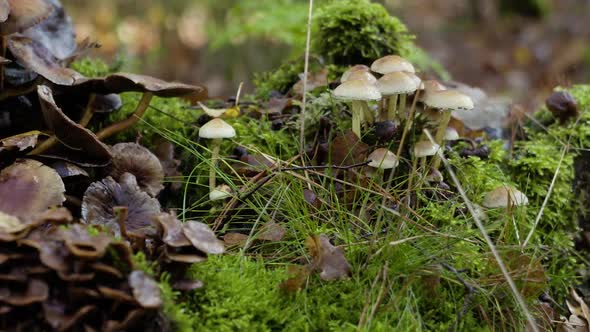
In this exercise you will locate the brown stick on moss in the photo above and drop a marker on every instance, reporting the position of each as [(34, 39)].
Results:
[(118, 127)]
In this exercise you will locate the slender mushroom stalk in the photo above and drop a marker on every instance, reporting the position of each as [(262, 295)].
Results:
[(446, 101), (392, 108), (422, 150), (358, 92), (216, 129), (140, 110), (396, 85), (357, 116)]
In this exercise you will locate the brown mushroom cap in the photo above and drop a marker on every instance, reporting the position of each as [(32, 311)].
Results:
[(202, 237), (23, 14), (67, 131), (145, 290), (28, 188), (139, 161), (125, 82), (36, 57), (101, 197)]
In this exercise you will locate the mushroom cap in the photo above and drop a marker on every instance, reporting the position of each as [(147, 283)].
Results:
[(432, 85), (448, 100), (34, 56), (142, 163), (101, 197), (383, 158), (425, 149), (71, 134), (499, 197), (360, 75), (217, 128), (27, 187), (451, 134), (398, 82), (392, 63), (357, 90), (355, 68)]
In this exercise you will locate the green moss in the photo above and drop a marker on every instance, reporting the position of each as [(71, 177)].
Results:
[(346, 33), (358, 31), (91, 67)]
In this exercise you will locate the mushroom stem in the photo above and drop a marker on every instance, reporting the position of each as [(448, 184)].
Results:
[(409, 122), (215, 145), (440, 135), (368, 114), (88, 112), (122, 213), (392, 108), (143, 105), (356, 117), (402, 106)]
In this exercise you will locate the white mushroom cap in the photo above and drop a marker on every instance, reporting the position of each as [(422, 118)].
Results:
[(425, 149), (217, 128), (499, 197), (355, 68), (451, 134), (360, 75), (448, 100), (383, 158), (398, 82), (391, 63), (357, 90), (214, 113), (432, 85), (220, 192)]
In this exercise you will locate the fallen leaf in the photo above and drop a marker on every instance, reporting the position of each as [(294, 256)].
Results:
[(328, 259)]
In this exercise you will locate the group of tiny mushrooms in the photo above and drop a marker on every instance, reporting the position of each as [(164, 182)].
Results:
[(359, 86)]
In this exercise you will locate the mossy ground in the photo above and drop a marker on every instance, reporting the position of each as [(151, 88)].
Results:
[(241, 288), (413, 284)]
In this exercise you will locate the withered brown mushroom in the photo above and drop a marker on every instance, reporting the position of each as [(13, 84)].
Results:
[(142, 163), (145, 290), (67, 131), (32, 55), (101, 197), (28, 187), (202, 237)]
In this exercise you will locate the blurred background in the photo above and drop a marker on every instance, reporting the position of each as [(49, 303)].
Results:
[(517, 48)]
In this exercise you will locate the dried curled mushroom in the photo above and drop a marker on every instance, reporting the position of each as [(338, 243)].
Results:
[(67, 131), (102, 197), (139, 161), (73, 279)]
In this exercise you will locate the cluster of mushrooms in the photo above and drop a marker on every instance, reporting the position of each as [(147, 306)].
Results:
[(388, 97)]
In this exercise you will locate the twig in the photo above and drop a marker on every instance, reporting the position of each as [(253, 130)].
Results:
[(491, 245), (305, 72)]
